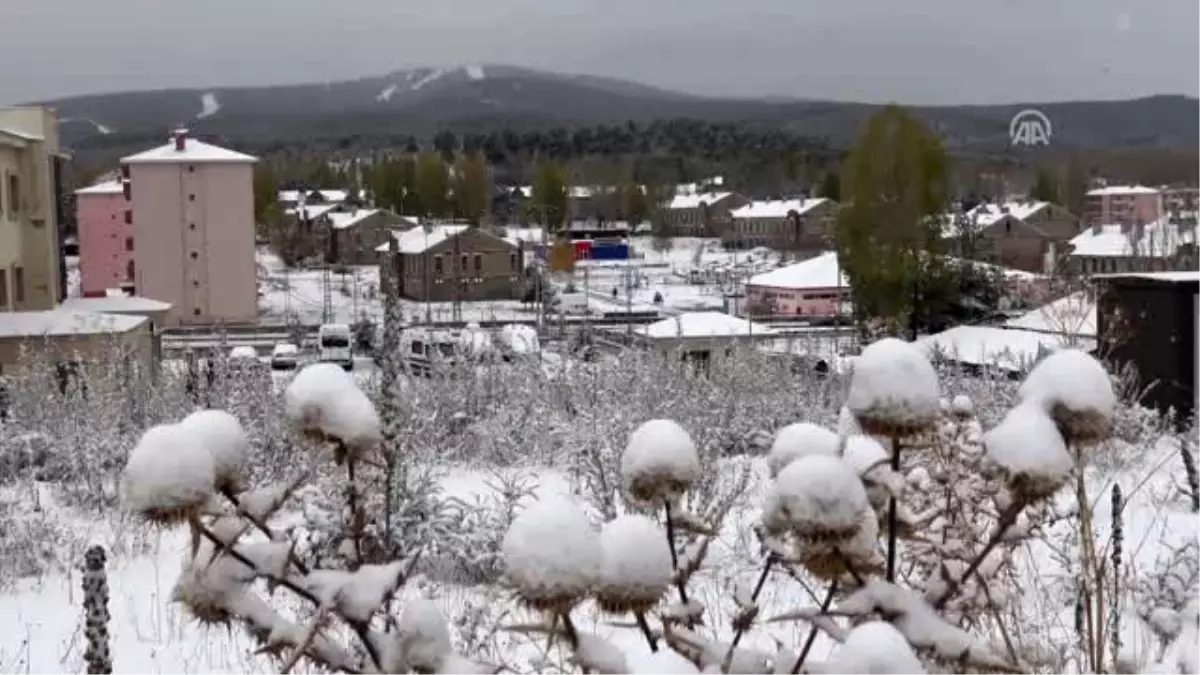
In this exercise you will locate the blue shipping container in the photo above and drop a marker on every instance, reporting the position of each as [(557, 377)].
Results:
[(610, 252)]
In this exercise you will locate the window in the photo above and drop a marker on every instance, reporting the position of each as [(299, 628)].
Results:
[(418, 347), (512, 261), (195, 311), (437, 265), (462, 261), (3, 288), (125, 171), (191, 198), (191, 226), (478, 263), (191, 168), (128, 243), (465, 285), (129, 271), (18, 284), (194, 255), (127, 190), (128, 217), (14, 196)]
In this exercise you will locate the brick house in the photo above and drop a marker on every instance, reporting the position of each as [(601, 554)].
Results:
[(1119, 249), (444, 263), (803, 226), (1125, 205), (1031, 236), (354, 234), (703, 214)]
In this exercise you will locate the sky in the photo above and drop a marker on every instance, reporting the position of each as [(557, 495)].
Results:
[(908, 51)]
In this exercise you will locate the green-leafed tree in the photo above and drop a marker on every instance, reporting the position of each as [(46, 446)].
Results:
[(433, 185), (889, 229), (549, 202), (393, 183), (635, 207), (471, 187), (266, 191), (831, 186), (1045, 187)]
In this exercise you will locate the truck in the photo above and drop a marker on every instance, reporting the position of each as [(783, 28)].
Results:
[(335, 345)]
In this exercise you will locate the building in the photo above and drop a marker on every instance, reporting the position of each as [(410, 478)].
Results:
[(703, 214), (447, 263), (697, 337), (353, 234), (1182, 204), (192, 211), (105, 238), (1126, 205), (812, 288), (802, 226), (1119, 248), (32, 269), (74, 339), (293, 198), (1025, 235)]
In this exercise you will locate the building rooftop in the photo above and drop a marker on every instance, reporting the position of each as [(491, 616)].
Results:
[(703, 324), (418, 240), (1110, 190), (293, 196), (61, 322), (107, 187), (694, 200), (340, 221), (1159, 239), (115, 303), (1074, 314), (1174, 277), (777, 208), (819, 272), (1007, 349), (193, 152)]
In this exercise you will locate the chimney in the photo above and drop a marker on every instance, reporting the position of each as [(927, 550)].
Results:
[(1096, 228), (180, 136)]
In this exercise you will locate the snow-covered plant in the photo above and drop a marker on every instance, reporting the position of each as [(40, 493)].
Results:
[(95, 612)]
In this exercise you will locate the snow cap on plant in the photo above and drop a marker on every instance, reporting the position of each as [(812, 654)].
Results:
[(869, 459), (795, 441), (660, 462), (223, 435), (876, 647), (1076, 390), (324, 401), (818, 498), (168, 477), (962, 407), (421, 641), (1028, 449), (552, 555), (894, 389), (635, 567)]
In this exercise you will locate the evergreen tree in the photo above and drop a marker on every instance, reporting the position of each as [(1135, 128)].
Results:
[(831, 186), (550, 199), (635, 207), (266, 193), (433, 185), (1045, 187), (889, 230), (471, 187)]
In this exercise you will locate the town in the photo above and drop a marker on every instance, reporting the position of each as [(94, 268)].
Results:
[(737, 383)]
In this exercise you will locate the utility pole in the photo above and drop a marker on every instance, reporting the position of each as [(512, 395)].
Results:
[(628, 304)]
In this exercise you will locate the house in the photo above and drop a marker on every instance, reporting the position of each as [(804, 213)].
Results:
[(699, 336), (74, 339), (192, 211), (812, 288), (992, 348), (703, 214), (1125, 205), (1026, 235), (105, 238), (294, 198), (1158, 246), (1071, 317), (354, 233), (446, 263), (1148, 321), (32, 269), (804, 226)]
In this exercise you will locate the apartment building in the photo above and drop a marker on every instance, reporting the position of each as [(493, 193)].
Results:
[(191, 206), (105, 238), (32, 274), (802, 226), (1126, 205)]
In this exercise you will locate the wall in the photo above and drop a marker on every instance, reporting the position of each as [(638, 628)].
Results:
[(194, 239), (818, 302), (103, 255), (496, 279), (95, 347), (39, 253), (1124, 209)]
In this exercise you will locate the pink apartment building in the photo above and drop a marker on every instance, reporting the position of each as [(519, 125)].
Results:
[(192, 210), (105, 238), (814, 288), (1126, 205)]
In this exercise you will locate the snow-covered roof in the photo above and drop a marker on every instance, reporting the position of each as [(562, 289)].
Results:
[(694, 200), (705, 185), (293, 196), (311, 211), (115, 303), (986, 214), (108, 187), (194, 152), (703, 324), (819, 272), (1074, 314), (778, 208), (417, 240), (1110, 190), (1009, 349), (340, 221), (1159, 239), (59, 322), (519, 235), (23, 135), (1176, 277)]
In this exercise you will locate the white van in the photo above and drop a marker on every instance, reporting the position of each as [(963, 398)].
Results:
[(334, 345), (285, 356)]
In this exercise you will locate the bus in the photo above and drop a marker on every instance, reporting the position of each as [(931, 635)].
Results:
[(334, 345)]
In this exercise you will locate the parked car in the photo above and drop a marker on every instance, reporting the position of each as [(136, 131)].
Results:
[(245, 359), (285, 356)]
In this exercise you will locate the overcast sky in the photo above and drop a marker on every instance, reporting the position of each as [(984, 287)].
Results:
[(911, 51)]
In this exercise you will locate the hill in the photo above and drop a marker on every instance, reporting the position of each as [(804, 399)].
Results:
[(422, 101)]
